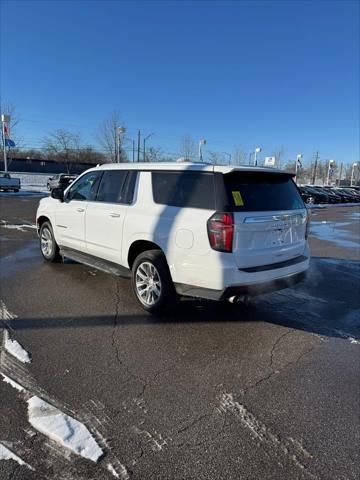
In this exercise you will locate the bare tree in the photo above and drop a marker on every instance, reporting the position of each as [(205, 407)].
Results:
[(155, 154), (63, 146), (187, 148), (90, 155), (215, 158), (240, 156), (278, 153), (107, 136)]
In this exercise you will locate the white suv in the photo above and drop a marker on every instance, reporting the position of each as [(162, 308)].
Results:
[(181, 229)]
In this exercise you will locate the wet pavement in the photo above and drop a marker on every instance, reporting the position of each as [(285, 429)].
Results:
[(211, 391)]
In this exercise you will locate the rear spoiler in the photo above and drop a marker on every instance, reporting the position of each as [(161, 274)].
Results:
[(250, 169)]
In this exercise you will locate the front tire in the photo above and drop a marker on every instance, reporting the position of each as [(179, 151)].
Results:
[(48, 246), (152, 283)]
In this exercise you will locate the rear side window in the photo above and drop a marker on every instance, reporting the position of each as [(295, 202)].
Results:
[(184, 189), (117, 186), (261, 191)]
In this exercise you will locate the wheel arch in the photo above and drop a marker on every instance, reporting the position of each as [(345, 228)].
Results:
[(40, 221), (140, 246)]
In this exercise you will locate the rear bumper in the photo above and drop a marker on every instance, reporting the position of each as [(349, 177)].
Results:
[(251, 290), (265, 287)]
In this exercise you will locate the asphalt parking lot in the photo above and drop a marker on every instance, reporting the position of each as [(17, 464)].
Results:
[(210, 391)]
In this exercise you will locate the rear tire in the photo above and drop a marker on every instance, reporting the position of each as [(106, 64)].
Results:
[(151, 282), (48, 246)]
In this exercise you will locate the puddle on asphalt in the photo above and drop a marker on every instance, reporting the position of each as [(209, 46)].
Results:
[(334, 232), (13, 262)]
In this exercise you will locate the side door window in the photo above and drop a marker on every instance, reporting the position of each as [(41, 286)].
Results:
[(117, 186), (85, 188)]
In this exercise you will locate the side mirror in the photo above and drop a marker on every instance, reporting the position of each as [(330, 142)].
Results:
[(58, 194)]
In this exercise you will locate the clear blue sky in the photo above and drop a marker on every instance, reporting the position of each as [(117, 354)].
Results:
[(252, 73)]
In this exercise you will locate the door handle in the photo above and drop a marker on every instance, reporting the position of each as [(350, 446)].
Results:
[(114, 215), (80, 210)]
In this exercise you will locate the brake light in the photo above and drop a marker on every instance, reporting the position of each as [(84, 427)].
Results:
[(220, 229)]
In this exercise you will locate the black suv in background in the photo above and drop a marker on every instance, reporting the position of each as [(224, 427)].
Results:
[(60, 180)]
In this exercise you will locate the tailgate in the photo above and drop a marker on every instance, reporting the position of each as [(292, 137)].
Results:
[(264, 239), (269, 217)]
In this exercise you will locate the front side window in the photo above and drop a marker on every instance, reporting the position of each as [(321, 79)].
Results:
[(85, 188), (184, 189)]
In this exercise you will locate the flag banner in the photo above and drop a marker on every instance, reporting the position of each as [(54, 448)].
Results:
[(9, 143)]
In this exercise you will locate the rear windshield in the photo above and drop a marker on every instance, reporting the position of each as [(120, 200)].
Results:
[(259, 191)]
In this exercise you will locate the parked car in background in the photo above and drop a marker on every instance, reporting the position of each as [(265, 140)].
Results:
[(332, 196), (60, 180), (197, 230), (318, 196), (306, 196), (346, 196), (353, 193), (9, 183)]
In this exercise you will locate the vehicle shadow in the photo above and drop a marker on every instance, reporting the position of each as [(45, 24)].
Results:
[(286, 308)]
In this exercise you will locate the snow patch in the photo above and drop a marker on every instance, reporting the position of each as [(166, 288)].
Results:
[(63, 429), (15, 349), (119, 472), (6, 454), (289, 447), (112, 470), (353, 340), (12, 382), (156, 440), (20, 227)]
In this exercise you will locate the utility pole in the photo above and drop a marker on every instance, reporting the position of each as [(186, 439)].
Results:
[(315, 168), (144, 142), (133, 150), (116, 151), (138, 146), (340, 174)]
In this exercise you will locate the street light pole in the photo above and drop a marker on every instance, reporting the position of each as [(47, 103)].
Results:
[(352, 173), (257, 150), (5, 119), (119, 132), (202, 142), (331, 162), (144, 142)]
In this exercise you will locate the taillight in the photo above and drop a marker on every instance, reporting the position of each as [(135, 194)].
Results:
[(220, 229)]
